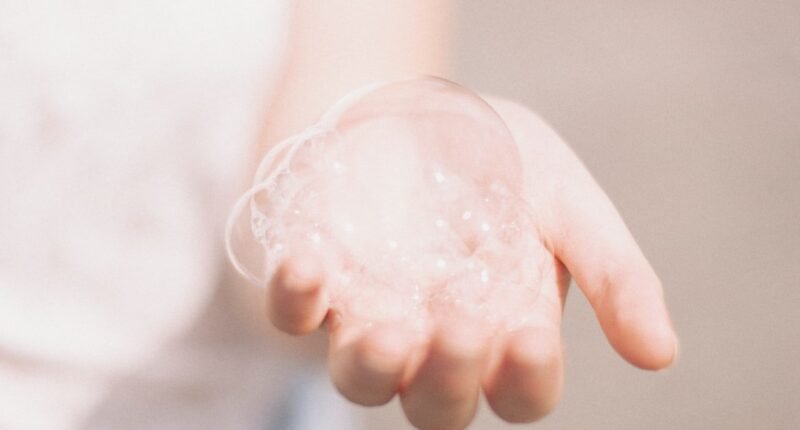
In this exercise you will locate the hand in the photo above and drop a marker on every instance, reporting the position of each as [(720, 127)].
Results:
[(439, 379)]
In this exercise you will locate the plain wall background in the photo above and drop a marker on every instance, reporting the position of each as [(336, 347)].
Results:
[(688, 114)]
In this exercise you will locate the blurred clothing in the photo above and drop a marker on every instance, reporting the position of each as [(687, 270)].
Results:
[(312, 403), (124, 130)]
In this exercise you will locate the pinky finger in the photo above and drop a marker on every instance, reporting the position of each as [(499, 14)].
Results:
[(297, 301)]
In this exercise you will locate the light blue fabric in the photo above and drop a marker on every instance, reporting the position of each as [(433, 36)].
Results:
[(312, 403)]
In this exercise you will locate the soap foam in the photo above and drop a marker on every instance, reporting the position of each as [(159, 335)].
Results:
[(411, 193)]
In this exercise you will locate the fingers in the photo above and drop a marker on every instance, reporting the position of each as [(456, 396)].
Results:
[(296, 299), (525, 373), (443, 393), (366, 366), (526, 383), (591, 239), (587, 234)]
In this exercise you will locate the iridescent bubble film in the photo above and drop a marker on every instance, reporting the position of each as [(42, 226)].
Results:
[(410, 192)]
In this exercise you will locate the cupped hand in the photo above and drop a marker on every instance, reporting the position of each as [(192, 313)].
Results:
[(439, 375)]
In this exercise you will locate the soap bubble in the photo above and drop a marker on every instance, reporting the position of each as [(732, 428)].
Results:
[(410, 192)]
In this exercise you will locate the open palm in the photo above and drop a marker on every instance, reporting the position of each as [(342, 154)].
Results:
[(439, 378)]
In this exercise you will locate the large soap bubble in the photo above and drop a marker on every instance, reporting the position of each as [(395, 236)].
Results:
[(411, 193)]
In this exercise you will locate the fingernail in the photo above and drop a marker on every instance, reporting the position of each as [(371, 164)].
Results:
[(676, 353), (674, 360)]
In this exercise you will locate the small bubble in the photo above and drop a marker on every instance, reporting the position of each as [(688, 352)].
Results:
[(466, 215)]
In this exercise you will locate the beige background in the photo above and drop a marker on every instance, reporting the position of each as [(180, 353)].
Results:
[(688, 113)]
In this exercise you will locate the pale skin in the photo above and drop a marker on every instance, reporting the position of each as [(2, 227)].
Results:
[(439, 378)]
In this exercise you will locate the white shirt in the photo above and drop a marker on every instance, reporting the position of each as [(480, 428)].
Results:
[(124, 126)]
